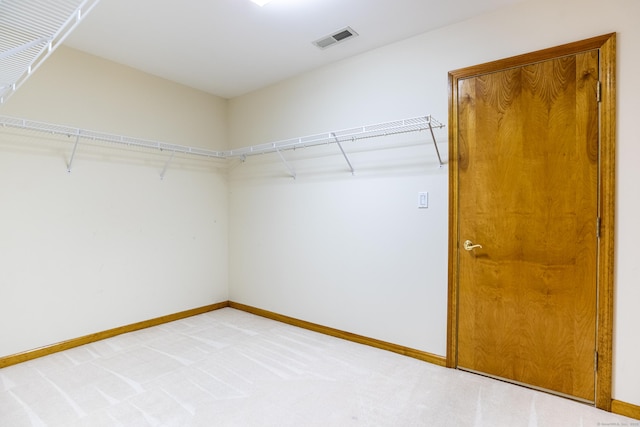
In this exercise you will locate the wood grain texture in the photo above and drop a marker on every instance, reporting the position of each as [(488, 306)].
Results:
[(76, 342), (597, 42), (452, 286), (372, 342), (528, 194), (606, 46), (607, 204), (626, 409)]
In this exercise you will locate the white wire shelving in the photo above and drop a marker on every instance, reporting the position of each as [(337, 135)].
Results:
[(396, 127), (106, 138), (56, 129), (31, 31), (416, 124), (353, 134)]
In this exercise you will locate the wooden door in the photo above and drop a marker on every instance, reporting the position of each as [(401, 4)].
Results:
[(527, 191)]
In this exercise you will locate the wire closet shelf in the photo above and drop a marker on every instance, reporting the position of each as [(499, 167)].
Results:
[(102, 137), (415, 124), (396, 127), (31, 31)]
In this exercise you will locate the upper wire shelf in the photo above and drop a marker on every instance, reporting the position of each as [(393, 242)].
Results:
[(105, 137), (31, 31), (415, 124)]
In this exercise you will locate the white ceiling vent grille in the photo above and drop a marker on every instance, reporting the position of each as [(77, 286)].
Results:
[(335, 38)]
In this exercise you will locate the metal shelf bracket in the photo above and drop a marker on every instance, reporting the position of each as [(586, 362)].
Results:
[(292, 172), (73, 153), (353, 172), (435, 145), (166, 165)]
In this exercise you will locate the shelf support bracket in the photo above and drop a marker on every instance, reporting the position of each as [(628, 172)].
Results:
[(288, 166), (353, 172), (433, 137), (73, 153), (166, 165)]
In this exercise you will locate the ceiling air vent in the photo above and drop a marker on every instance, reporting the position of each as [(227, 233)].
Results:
[(337, 37)]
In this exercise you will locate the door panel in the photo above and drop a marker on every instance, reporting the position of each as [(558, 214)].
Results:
[(527, 192)]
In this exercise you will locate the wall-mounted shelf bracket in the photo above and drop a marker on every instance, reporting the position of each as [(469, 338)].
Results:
[(292, 172), (433, 137), (353, 172), (166, 165), (73, 153)]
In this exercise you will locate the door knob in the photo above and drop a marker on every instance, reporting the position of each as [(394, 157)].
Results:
[(469, 246)]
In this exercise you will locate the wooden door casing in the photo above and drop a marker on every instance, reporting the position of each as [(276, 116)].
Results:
[(527, 195)]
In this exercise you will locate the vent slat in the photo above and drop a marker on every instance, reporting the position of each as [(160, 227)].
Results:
[(339, 36)]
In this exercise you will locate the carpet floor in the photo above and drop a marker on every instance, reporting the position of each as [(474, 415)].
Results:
[(231, 368)]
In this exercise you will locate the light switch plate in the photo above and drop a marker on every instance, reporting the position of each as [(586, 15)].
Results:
[(423, 200)]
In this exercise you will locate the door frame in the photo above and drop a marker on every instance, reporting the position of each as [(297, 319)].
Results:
[(606, 44)]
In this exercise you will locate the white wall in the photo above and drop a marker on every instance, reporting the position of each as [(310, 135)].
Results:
[(110, 243), (328, 245)]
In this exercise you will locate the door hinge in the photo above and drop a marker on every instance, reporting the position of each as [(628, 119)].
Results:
[(598, 226), (598, 91), (595, 361)]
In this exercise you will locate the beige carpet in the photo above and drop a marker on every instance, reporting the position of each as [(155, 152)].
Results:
[(230, 368)]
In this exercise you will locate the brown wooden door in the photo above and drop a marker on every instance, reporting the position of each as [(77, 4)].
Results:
[(528, 194)]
